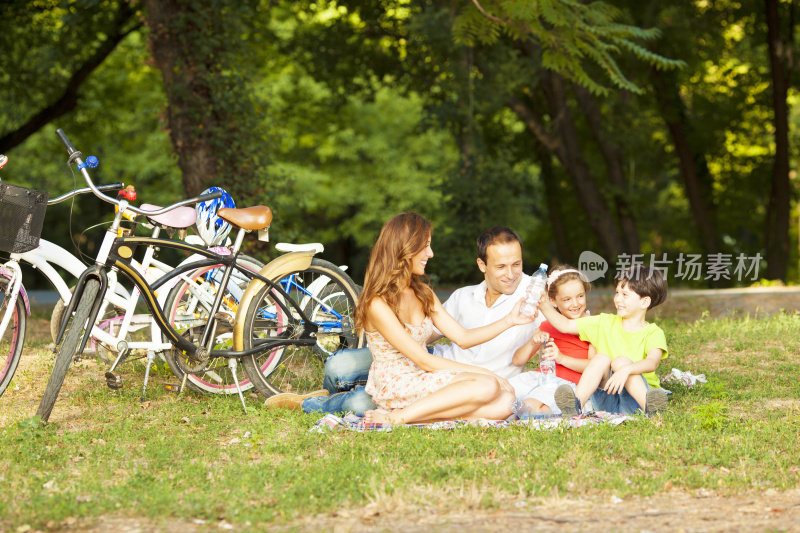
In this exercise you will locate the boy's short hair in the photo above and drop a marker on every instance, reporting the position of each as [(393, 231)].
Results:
[(495, 235), (644, 281)]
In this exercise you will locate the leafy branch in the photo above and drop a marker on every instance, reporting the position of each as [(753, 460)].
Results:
[(569, 33)]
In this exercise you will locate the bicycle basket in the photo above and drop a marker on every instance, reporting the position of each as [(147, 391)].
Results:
[(21, 217)]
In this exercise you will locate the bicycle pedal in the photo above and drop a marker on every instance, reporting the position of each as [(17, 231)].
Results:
[(113, 380), (172, 387)]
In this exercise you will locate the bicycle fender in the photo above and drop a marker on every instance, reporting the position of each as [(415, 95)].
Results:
[(22, 292), (275, 269)]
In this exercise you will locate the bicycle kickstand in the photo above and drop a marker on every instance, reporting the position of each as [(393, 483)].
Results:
[(232, 366), (113, 379), (150, 357)]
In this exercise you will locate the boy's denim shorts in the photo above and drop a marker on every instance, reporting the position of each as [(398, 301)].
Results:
[(616, 403)]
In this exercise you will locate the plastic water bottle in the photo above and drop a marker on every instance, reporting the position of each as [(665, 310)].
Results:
[(546, 368), (534, 291)]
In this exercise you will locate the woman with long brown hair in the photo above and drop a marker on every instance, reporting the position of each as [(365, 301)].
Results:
[(398, 310)]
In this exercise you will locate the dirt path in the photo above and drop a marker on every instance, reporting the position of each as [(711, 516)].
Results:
[(698, 511)]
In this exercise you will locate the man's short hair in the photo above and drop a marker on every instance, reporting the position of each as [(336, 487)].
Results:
[(644, 281), (496, 235)]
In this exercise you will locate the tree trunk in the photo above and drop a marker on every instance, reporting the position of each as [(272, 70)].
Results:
[(187, 93), (691, 160), (564, 145), (776, 235), (612, 155), (570, 156), (553, 199)]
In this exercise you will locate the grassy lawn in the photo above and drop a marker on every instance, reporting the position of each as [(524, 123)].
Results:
[(200, 460)]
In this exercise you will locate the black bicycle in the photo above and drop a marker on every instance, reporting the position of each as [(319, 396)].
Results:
[(267, 330)]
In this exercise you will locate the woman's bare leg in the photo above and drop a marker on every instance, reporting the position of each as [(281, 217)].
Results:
[(468, 396)]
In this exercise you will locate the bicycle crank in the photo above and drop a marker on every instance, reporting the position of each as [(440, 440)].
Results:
[(193, 363)]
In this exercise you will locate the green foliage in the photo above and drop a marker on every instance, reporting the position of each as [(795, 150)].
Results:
[(711, 416), (569, 33)]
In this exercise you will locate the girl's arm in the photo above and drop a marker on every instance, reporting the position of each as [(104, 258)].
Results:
[(381, 317), (573, 363), (467, 338), (526, 351)]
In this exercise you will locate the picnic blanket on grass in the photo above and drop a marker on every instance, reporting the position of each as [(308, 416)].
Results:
[(356, 423)]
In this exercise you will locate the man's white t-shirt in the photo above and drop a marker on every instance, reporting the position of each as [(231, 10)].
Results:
[(468, 306)]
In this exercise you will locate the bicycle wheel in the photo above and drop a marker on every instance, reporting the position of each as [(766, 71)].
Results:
[(301, 369), (187, 309), (67, 349), (14, 337), (110, 321)]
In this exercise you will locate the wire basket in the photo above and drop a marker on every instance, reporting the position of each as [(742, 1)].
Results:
[(21, 218)]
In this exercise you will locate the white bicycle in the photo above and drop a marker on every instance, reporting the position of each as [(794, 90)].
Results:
[(119, 333)]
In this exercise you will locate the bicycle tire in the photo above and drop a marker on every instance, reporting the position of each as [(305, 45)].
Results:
[(66, 351), (292, 368), (217, 378), (14, 337), (112, 317)]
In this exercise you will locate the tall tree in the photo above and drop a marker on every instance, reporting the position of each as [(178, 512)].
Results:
[(780, 37), (196, 44)]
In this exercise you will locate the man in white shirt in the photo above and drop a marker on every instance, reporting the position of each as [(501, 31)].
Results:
[(504, 284)]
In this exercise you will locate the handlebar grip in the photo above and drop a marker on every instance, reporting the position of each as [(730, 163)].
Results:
[(65, 141), (209, 196), (111, 186)]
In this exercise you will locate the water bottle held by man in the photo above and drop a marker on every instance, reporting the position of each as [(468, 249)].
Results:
[(534, 291)]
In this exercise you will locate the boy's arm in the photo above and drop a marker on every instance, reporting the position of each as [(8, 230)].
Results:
[(559, 321), (616, 383)]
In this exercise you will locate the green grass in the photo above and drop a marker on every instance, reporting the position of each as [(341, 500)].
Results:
[(200, 457)]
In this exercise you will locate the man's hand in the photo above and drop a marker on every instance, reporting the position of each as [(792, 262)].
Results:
[(517, 318)]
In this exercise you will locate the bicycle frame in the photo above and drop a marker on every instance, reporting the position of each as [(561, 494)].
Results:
[(118, 258)]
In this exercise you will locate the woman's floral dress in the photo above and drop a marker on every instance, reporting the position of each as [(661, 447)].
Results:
[(395, 381)]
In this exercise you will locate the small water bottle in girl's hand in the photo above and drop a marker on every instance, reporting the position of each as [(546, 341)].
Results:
[(547, 367)]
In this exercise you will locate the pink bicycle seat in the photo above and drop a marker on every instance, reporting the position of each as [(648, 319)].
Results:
[(179, 218)]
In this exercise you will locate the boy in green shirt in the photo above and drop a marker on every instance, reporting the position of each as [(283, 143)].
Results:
[(621, 377)]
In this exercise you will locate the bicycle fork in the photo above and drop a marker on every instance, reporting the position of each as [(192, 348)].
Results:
[(14, 275)]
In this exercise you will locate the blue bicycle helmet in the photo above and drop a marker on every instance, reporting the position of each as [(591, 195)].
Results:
[(212, 229)]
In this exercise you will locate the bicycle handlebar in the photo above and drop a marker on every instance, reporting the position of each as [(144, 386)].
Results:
[(76, 192), (76, 157)]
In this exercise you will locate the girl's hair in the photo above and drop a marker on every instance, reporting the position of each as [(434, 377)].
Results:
[(562, 274), (389, 270)]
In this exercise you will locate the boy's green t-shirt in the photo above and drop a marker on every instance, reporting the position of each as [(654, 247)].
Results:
[(605, 332)]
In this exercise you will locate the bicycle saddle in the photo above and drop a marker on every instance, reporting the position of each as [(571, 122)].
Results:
[(249, 218), (178, 218)]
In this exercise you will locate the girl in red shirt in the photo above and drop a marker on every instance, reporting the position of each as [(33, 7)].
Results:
[(566, 288)]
